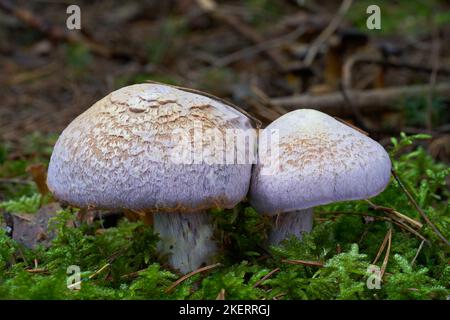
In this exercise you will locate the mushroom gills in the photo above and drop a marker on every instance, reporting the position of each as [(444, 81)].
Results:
[(288, 224), (187, 239)]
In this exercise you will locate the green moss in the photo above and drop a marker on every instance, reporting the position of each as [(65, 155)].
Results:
[(122, 262), (22, 205)]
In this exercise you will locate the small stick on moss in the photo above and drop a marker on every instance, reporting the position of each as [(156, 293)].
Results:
[(395, 213), (383, 245), (304, 263), (408, 228), (187, 276), (132, 274), (419, 209), (267, 276), (212, 8), (388, 251), (362, 99), (221, 295), (364, 234), (98, 271), (73, 285), (54, 33), (397, 222), (279, 296), (37, 270), (417, 253), (326, 33)]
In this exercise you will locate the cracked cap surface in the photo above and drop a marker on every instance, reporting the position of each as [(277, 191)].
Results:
[(117, 154), (321, 160)]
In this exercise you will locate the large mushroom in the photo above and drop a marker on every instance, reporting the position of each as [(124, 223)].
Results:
[(137, 149), (315, 160)]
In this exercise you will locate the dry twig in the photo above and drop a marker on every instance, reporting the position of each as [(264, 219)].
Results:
[(267, 276), (56, 34), (360, 98), (212, 8), (388, 251), (37, 270), (327, 32), (193, 273), (396, 214), (386, 242), (347, 74), (417, 253), (73, 285), (221, 295), (304, 263), (259, 48)]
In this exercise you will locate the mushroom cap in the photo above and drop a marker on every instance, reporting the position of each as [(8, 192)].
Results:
[(118, 153), (321, 160)]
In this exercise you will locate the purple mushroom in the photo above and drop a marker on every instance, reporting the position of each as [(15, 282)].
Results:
[(133, 150), (320, 161)]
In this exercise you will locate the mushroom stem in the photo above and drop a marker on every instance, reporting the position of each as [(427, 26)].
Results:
[(293, 223), (186, 238)]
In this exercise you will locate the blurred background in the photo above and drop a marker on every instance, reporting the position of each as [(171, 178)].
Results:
[(268, 57)]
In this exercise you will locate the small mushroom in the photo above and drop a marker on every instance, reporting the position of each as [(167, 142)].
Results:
[(125, 152), (320, 160)]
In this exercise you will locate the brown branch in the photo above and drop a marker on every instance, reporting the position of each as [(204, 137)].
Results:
[(187, 276), (366, 59), (37, 270), (327, 32), (360, 98), (56, 34), (259, 48), (212, 8), (28, 18), (386, 242)]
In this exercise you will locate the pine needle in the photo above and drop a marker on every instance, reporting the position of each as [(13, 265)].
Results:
[(187, 276)]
